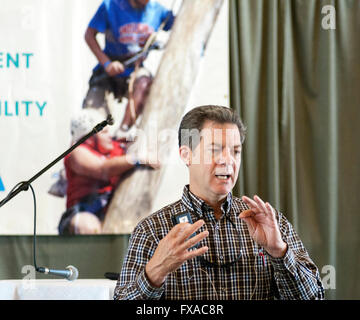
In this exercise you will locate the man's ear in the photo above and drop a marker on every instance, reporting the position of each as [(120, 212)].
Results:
[(185, 155)]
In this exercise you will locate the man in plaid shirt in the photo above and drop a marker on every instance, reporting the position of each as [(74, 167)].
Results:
[(223, 247)]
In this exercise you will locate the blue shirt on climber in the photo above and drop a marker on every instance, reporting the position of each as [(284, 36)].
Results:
[(126, 28)]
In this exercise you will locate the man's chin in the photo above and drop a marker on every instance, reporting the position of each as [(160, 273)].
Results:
[(222, 190)]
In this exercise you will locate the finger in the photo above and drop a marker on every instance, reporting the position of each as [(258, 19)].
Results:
[(194, 240), (246, 214), (190, 229), (251, 224), (251, 203), (118, 70), (261, 204), (196, 252), (182, 231), (248, 217), (119, 67), (271, 209)]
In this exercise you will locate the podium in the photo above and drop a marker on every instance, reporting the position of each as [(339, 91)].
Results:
[(57, 289)]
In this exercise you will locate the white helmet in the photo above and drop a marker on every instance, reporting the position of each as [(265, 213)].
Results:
[(84, 121)]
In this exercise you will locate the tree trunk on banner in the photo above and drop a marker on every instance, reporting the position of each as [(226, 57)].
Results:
[(164, 108)]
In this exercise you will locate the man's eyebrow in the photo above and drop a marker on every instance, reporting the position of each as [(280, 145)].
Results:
[(238, 146)]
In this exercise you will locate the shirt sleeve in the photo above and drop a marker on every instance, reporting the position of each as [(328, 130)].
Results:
[(296, 275), (169, 17), (133, 283), (99, 20)]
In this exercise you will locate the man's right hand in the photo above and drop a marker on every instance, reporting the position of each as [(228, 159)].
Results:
[(114, 68), (172, 251)]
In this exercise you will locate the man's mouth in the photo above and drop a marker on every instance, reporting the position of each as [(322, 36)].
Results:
[(223, 176)]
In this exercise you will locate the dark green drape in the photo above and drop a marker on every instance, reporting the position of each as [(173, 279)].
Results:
[(297, 89)]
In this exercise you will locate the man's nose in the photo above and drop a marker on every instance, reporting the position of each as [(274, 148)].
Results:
[(225, 157)]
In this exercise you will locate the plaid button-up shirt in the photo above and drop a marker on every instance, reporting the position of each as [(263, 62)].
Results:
[(253, 275)]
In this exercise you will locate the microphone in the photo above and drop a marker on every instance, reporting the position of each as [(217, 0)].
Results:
[(71, 273), (110, 120)]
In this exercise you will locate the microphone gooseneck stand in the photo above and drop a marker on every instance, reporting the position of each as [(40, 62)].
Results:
[(25, 185)]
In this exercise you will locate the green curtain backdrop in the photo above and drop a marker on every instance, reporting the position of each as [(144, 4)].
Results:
[(297, 89)]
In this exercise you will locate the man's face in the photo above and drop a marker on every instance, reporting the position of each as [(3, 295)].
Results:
[(104, 141), (139, 4), (215, 162)]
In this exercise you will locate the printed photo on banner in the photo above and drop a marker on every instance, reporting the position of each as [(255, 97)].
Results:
[(84, 63)]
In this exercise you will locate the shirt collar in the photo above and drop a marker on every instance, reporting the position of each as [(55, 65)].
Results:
[(191, 202)]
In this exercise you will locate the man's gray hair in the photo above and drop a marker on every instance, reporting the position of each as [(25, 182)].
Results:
[(193, 121)]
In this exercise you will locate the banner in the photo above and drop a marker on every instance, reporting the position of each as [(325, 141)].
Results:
[(45, 67)]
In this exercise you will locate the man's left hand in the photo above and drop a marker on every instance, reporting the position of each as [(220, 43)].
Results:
[(263, 226)]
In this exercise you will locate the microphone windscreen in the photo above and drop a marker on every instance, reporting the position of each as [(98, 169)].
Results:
[(74, 273), (110, 120)]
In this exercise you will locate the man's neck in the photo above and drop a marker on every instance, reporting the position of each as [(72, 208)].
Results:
[(214, 202)]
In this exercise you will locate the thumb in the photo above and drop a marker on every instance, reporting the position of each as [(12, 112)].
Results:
[(246, 214)]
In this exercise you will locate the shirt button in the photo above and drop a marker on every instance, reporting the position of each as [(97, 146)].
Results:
[(221, 257)]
